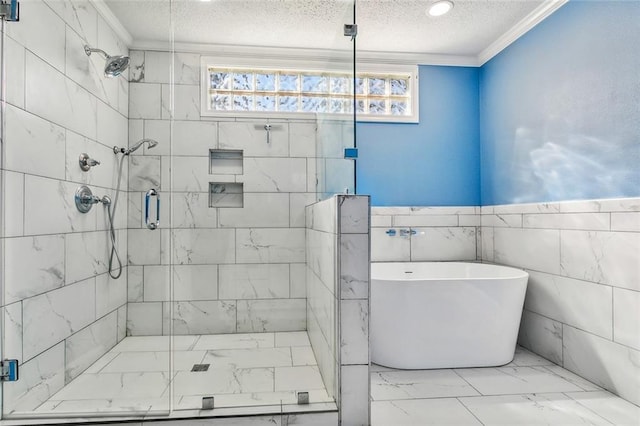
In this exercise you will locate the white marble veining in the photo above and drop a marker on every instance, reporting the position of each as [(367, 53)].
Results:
[(614, 409), (425, 220), (603, 257), (34, 265), (144, 319), (85, 255), (144, 100), (537, 249), (354, 214), (194, 246), (40, 378), (202, 317), (271, 315), (607, 364), (144, 173), (412, 384), (191, 210), (45, 86), (186, 102), (194, 138), (14, 211), (269, 245), (243, 358), (195, 282), (274, 175), (626, 317), (270, 210), (514, 380), (549, 409), (354, 268), (439, 244), (34, 146), (421, 412), (53, 316), (302, 139), (240, 281), (582, 304), (12, 333), (625, 221), (354, 395), (61, 214), (14, 55), (542, 335), (354, 327), (49, 44), (88, 345)]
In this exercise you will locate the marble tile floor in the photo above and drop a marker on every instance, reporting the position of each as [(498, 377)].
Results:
[(528, 391), (245, 370)]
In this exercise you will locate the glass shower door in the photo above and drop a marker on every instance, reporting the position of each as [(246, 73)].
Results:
[(240, 181), (86, 343)]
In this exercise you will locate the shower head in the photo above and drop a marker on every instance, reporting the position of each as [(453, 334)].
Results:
[(114, 65), (151, 143)]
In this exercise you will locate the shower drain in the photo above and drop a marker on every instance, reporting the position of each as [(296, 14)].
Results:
[(200, 367)]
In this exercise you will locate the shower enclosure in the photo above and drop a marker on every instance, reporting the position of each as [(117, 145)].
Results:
[(209, 315)]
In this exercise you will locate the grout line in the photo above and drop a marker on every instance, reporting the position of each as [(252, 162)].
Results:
[(469, 410)]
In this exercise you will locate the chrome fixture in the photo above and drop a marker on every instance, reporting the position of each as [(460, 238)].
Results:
[(10, 11), (87, 162), (147, 198), (390, 232), (114, 65), (269, 128), (150, 142), (407, 232), (85, 199)]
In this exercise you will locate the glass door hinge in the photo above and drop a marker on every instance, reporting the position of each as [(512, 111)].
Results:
[(10, 10), (350, 30), (9, 370)]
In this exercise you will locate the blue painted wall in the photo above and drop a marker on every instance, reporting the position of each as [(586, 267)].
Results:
[(435, 162), (560, 108)]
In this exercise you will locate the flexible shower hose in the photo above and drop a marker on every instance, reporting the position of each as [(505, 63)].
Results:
[(111, 212)]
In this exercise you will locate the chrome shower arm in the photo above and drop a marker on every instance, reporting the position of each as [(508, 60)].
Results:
[(88, 50)]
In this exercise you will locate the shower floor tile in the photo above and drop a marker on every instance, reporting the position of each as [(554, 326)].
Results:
[(244, 370), (528, 391)]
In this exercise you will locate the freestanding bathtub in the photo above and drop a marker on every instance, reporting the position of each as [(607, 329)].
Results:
[(445, 314)]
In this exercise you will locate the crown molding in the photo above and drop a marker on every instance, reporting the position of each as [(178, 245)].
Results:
[(113, 21), (518, 30)]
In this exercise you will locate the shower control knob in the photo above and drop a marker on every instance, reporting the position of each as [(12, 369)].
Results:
[(87, 162)]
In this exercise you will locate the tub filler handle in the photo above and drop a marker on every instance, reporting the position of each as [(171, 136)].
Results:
[(390, 232)]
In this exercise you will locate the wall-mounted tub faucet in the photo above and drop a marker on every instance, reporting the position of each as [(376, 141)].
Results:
[(407, 232)]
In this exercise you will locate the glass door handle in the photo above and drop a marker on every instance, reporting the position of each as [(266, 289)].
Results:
[(147, 198)]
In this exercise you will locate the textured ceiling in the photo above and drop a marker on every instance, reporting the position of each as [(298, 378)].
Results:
[(383, 25)]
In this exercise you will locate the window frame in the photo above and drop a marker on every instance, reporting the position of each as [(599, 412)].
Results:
[(307, 65)]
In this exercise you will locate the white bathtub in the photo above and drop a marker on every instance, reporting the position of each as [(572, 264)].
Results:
[(445, 314)]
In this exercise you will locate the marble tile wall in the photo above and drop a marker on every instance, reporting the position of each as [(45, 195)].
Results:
[(424, 234), (239, 269), (583, 296), (61, 310), (337, 267)]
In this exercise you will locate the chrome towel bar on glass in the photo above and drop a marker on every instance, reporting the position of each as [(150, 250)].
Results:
[(151, 193)]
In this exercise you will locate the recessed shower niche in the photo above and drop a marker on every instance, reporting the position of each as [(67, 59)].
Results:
[(225, 194)]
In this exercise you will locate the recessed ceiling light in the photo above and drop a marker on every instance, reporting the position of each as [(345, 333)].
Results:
[(439, 8)]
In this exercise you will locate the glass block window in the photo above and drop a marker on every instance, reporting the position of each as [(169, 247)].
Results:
[(286, 91)]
